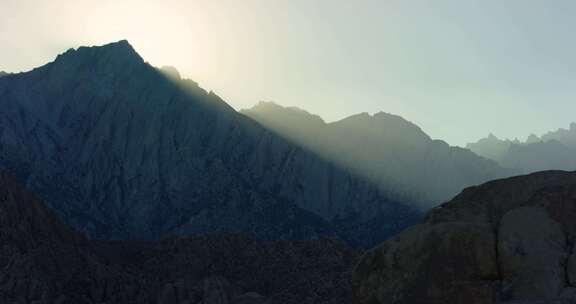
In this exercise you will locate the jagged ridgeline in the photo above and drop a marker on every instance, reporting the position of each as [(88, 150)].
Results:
[(553, 150), (121, 150)]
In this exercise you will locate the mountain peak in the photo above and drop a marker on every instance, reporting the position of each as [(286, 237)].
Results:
[(268, 108), (118, 54), (383, 120), (121, 45), (532, 138), (171, 72)]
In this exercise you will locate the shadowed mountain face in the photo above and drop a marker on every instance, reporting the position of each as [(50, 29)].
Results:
[(506, 241), (122, 150), (44, 261), (554, 150), (386, 149)]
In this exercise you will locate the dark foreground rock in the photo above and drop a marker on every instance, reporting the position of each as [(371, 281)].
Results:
[(507, 241), (44, 261)]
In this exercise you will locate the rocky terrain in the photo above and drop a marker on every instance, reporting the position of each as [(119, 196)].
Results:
[(122, 150), (386, 149), (43, 261), (506, 241)]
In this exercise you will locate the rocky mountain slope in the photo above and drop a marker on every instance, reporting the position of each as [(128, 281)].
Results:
[(44, 261), (506, 241), (122, 150), (553, 150), (387, 149)]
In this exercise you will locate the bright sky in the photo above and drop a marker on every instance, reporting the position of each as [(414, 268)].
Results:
[(458, 68)]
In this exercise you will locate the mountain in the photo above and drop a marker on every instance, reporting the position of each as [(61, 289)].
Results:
[(2, 73), (506, 241), (565, 136), (44, 261), (386, 149), (552, 151), (123, 150), (493, 148)]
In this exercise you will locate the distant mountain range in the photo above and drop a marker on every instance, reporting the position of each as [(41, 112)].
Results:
[(123, 150), (553, 150), (386, 149)]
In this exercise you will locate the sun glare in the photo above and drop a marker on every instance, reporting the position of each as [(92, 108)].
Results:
[(161, 33)]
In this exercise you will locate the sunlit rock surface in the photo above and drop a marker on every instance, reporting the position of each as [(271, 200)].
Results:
[(506, 241), (386, 149)]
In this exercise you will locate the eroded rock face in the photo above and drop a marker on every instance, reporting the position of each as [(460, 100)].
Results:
[(43, 261), (508, 240), (122, 150)]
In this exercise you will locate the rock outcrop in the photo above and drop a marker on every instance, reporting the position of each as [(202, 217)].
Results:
[(506, 241), (43, 261), (386, 149), (122, 150)]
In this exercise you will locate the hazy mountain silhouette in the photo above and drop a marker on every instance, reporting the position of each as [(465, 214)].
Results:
[(387, 149), (492, 147), (121, 149), (553, 150), (2, 73), (564, 136)]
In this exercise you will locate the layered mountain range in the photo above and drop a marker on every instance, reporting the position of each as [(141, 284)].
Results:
[(386, 149), (123, 150), (553, 150)]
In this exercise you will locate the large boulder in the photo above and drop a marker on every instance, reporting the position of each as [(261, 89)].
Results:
[(508, 240)]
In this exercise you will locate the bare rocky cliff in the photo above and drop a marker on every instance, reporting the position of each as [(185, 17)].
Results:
[(121, 150)]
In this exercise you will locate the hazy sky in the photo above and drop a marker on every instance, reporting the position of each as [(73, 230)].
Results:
[(457, 68)]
